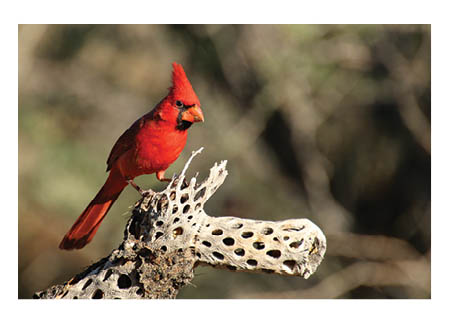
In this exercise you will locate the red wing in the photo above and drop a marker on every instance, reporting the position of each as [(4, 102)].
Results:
[(124, 143)]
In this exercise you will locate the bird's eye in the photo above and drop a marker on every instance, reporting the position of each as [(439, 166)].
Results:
[(179, 104)]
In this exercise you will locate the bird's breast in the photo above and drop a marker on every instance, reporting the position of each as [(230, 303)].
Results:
[(158, 148)]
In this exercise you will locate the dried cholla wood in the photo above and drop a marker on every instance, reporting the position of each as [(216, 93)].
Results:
[(169, 234)]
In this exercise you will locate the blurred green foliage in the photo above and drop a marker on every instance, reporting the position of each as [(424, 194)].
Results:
[(328, 122)]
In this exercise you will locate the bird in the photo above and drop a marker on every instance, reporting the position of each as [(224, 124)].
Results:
[(150, 145)]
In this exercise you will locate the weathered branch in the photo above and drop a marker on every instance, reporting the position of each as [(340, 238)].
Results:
[(169, 234)]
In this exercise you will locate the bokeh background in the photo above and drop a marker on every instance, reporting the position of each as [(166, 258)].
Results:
[(327, 122)]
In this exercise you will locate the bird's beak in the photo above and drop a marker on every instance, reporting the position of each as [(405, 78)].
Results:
[(193, 114)]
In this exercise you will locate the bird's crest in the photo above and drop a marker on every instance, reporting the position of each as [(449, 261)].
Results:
[(181, 87)]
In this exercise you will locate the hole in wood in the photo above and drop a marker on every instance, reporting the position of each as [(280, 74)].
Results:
[(296, 244), (237, 226), (98, 294), (247, 234), (252, 262), (146, 254), (108, 274), (239, 252), (218, 255), (87, 284), (184, 198), (176, 220), (124, 282), (206, 243), (274, 253), (290, 264), (158, 235), (173, 195), (267, 231), (159, 223), (217, 232), (315, 246), (228, 241), (259, 245), (186, 209), (294, 229), (200, 194), (184, 184), (161, 202), (177, 231)]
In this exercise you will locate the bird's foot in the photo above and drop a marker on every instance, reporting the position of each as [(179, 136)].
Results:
[(142, 192), (160, 177)]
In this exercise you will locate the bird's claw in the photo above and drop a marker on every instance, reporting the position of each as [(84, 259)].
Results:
[(142, 192)]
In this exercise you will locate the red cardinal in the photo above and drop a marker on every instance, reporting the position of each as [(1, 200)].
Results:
[(150, 145)]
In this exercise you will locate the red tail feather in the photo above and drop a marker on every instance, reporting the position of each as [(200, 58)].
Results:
[(89, 221)]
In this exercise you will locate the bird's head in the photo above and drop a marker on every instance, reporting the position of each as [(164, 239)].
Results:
[(181, 106)]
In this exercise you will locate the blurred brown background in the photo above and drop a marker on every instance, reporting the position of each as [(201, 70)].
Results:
[(327, 122)]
